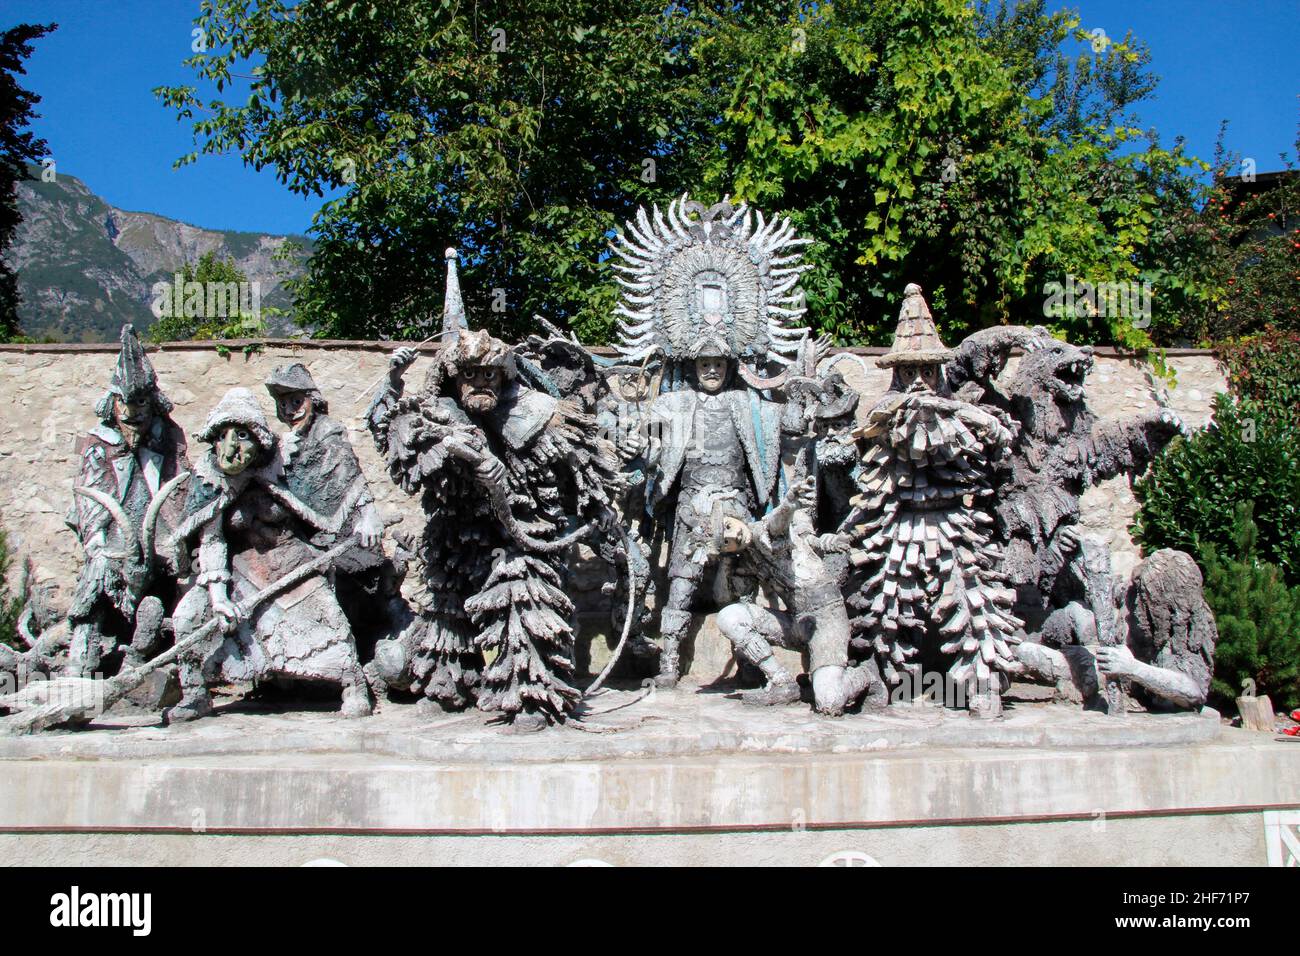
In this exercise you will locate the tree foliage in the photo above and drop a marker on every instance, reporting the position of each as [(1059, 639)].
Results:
[(198, 323), (18, 147), (983, 151)]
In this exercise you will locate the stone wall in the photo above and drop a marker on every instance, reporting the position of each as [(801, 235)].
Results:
[(48, 393)]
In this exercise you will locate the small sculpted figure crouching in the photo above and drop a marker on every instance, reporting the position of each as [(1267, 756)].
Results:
[(1163, 656), (783, 553), (251, 530)]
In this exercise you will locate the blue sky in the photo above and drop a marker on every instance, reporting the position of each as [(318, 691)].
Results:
[(1217, 59)]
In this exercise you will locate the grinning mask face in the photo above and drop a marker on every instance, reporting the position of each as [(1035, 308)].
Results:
[(480, 388), (134, 416), (294, 409), (236, 450), (711, 373)]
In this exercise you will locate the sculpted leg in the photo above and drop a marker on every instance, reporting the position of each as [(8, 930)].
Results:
[(752, 630), (673, 624), (148, 628), (86, 647), (196, 700)]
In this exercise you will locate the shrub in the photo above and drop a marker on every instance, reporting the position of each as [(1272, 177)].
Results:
[(9, 604), (1258, 618), (1266, 370), (1249, 453)]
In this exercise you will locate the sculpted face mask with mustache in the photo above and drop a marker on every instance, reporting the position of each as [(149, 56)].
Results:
[(480, 388), (134, 416)]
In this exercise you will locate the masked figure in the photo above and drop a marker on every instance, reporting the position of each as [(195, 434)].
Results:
[(712, 291), (321, 467), (510, 476), (784, 555), (928, 582), (135, 451), (251, 530)]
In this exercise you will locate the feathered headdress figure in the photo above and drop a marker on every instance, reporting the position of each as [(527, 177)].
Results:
[(716, 280)]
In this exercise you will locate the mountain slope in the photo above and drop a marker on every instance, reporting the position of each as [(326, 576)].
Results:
[(85, 267)]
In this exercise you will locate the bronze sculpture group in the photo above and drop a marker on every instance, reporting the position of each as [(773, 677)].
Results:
[(719, 463)]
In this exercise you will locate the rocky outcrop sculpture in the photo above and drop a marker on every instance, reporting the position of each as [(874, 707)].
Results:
[(1163, 658)]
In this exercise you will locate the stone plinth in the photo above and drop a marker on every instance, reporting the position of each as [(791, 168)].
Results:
[(686, 777)]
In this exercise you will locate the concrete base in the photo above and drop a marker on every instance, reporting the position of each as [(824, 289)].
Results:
[(689, 777)]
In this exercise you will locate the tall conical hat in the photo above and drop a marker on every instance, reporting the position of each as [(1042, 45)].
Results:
[(133, 378), (916, 340), (459, 346), (453, 306)]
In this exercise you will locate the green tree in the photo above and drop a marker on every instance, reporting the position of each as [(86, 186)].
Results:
[(1258, 617), (521, 136), (18, 147), (981, 151), (208, 317), (964, 149)]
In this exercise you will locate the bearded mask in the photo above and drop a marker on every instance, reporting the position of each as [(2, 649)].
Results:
[(479, 387), (133, 419)]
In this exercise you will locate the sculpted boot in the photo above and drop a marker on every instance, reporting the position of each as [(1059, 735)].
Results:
[(781, 687), (356, 695), (195, 701), (984, 698)]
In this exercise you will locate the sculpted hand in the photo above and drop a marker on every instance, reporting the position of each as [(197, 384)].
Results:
[(1069, 540), (803, 495), (400, 361), (370, 529), (834, 544), (1117, 661), (226, 613), (490, 471)]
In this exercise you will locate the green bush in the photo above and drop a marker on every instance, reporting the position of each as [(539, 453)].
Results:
[(9, 605), (1266, 369), (1258, 618), (1249, 453)]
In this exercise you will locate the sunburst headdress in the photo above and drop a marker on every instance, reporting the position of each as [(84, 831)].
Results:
[(713, 280)]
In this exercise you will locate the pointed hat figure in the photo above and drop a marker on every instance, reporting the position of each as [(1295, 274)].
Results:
[(453, 306), (133, 378), (916, 340)]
